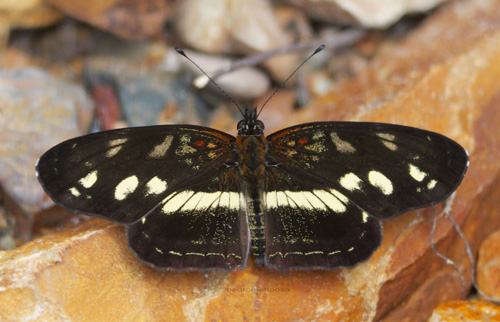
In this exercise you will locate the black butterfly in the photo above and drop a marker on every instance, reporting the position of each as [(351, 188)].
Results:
[(309, 196)]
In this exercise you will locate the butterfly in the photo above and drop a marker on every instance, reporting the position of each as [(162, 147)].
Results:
[(311, 196)]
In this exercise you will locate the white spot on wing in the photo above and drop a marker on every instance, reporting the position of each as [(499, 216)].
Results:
[(126, 187), (391, 146), (333, 200), (173, 203), (117, 142), (416, 173), (155, 186), (230, 200), (160, 150), (431, 184), (74, 192), (388, 137), (113, 151), (318, 135), (200, 201), (381, 182), (341, 145), (350, 181), (184, 148), (194, 201), (116, 146), (316, 199), (89, 180)]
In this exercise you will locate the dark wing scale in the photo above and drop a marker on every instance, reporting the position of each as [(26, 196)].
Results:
[(122, 175), (385, 169), (340, 178), (309, 227), (201, 228)]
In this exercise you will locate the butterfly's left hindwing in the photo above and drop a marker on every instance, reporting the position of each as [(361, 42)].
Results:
[(169, 184)]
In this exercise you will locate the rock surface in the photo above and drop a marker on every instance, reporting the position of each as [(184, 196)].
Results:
[(443, 77), (367, 13), (29, 98), (488, 266), (25, 14), (461, 311), (247, 26), (132, 19)]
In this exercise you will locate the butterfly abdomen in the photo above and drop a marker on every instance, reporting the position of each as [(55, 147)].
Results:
[(252, 172), (257, 226)]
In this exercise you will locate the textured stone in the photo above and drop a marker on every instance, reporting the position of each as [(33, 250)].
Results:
[(461, 311), (25, 14), (146, 96), (245, 83), (133, 19), (37, 111), (245, 26), (443, 77), (366, 13), (488, 266)]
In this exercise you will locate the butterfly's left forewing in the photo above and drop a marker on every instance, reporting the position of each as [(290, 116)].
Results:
[(341, 178), (169, 184)]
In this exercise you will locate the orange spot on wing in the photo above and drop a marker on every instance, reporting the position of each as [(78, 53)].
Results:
[(199, 143), (303, 141)]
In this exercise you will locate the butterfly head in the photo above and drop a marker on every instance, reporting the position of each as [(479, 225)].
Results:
[(250, 125)]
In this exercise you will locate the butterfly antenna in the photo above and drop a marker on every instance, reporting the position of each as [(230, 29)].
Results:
[(320, 48), (180, 51)]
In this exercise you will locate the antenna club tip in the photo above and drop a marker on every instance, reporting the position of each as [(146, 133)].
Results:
[(180, 51), (320, 48)]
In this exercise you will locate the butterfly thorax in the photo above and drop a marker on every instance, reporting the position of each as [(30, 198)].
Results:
[(251, 150)]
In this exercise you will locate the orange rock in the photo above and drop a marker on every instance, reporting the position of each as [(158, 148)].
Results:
[(461, 311), (443, 77), (25, 14), (488, 266), (132, 19)]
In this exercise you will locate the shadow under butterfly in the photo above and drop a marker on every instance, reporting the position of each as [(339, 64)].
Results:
[(311, 196)]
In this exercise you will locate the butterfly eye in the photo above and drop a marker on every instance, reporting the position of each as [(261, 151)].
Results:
[(240, 125), (260, 124)]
